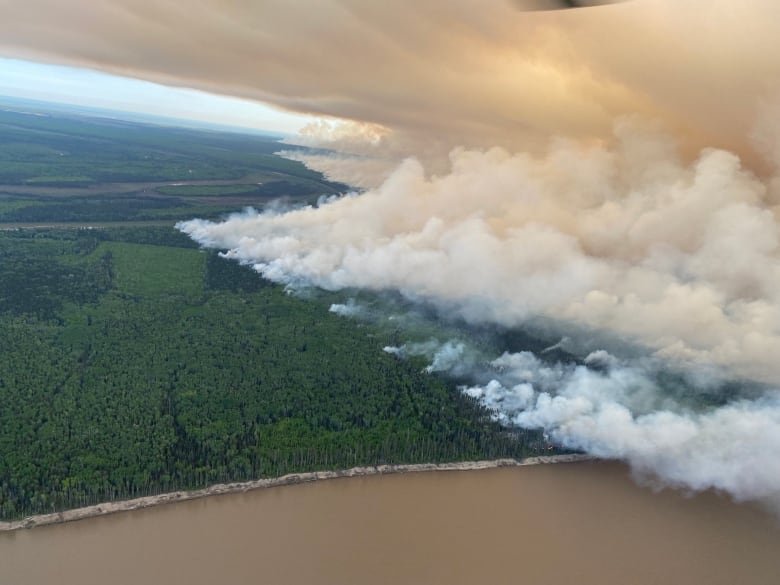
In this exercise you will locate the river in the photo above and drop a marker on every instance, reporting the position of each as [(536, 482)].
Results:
[(583, 523)]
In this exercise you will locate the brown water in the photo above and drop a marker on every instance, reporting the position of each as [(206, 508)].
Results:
[(564, 524)]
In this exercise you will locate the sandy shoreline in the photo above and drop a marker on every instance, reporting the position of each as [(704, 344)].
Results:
[(291, 479)]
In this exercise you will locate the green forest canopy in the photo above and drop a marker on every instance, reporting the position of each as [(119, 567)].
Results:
[(129, 368)]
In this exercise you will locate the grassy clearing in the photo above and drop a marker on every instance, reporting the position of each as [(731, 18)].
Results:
[(146, 270)]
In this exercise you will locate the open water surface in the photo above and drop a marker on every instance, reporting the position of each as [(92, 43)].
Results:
[(583, 523)]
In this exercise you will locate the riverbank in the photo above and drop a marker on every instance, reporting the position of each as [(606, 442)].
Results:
[(290, 479)]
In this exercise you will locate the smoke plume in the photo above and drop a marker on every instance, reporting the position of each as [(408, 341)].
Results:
[(633, 243), (620, 412), (683, 259), (438, 74), (608, 172)]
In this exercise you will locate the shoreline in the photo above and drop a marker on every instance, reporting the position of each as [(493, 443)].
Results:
[(290, 479)]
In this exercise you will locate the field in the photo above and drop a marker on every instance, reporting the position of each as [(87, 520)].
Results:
[(71, 168), (131, 362)]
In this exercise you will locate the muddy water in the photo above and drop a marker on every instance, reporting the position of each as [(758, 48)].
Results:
[(579, 523)]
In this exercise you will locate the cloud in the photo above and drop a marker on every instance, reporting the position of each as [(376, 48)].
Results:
[(621, 412), (683, 259), (438, 75), (677, 264)]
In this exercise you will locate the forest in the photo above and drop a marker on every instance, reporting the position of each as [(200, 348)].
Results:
[(131, 368), (133, 363)]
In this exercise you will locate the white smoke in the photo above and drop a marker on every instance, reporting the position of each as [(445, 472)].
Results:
[(627, 242), (447, 357), (682, 259), (349, 309), (622, 413), (357, 171)]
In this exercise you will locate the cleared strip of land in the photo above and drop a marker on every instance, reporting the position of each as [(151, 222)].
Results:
[(11, 226), (291, 479)]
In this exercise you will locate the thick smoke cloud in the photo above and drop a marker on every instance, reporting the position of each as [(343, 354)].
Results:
[(683, 259), (668, 425), (438, 74), (620, 412)]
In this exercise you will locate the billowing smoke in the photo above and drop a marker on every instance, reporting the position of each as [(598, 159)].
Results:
[(348, 309), (619, 411), (688, 428), (447, 357), (683, 259), (437, 74), (626, 243)]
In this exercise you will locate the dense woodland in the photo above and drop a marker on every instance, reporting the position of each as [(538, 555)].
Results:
[(133, 368), (133, 363)]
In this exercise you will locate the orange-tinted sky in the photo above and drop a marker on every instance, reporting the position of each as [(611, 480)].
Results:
[(438, 73)]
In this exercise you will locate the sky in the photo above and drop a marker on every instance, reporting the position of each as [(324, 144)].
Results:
[(438, 74), (609, 175), (87, 87)]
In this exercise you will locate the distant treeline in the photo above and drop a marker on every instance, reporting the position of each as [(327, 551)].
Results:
[(66, 150), (145, 207), (94, 209)]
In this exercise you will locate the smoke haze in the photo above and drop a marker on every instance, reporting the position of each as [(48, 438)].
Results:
[(684, 259), (681, 259), (611, 170), (438, 74)]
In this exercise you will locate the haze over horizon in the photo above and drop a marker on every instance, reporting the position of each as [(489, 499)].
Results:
[(612, 172), (82, 87)]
